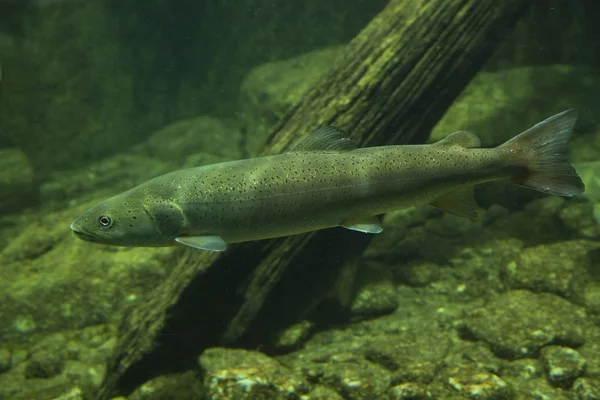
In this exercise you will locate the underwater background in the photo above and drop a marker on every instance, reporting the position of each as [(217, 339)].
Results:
[(98, 96)]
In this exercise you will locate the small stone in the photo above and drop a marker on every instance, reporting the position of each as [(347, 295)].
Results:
[(524, 369), (376, 294), (72, 394), (586, 389), (321, 392), (415, 371), (5, 360), (409, 391), (478, 384), (479, 356), (420, 274), (171, 386), (563, 365), (44, 366), (294, 335), (78, 371)]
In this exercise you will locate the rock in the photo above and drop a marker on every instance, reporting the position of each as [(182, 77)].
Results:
[(202, 134), (293, 336), (376, 292), (102, 179), (559, 268), (58, 364), (586, 389), (243, 374), (592, 300), (563, 365), (5, 360), (84, 374), (536, 223), (498, 105), (321, 392), (350, 375), (590, 351), (270, 89), (420, 274), (538, 388), (523, 369), (37, 237), (474, 271), (53, 281), (17, 185), (44, 365), (72, 394), (364, 360), (409, 391), (184, 144), (479, 384), (582, 217), (477, 355), (412, 347), (173, 386), (519, 323)]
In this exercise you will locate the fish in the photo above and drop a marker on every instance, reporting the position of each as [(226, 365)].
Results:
[(327, 181)]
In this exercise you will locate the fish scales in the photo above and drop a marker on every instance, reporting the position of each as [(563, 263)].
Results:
[(294, 192), (325, 181)]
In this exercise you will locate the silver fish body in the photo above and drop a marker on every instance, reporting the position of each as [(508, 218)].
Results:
[(325, 181)]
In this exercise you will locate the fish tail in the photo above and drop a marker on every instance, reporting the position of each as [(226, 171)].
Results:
[(541, 156)]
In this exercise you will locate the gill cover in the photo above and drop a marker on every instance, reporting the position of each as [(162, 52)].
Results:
[(121, 221)]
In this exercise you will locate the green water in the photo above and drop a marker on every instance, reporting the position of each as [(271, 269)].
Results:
[(98, 96)]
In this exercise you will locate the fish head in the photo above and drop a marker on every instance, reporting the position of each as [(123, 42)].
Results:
[(118, 221)]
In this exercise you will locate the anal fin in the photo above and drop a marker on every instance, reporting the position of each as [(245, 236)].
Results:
[(211, 243), (365, 224), (460, 202)]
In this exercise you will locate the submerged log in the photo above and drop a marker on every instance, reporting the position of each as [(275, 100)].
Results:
[(393, 83)]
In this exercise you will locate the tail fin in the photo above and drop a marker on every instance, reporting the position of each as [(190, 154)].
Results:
[(542, 152)]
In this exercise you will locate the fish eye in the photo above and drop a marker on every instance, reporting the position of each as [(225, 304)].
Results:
[(105, 221)]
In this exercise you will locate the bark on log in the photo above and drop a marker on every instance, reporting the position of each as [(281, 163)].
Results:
[(394, 82)]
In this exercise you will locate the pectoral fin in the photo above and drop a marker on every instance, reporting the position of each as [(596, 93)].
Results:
[(212, 243), (369, 224), (459, 202)]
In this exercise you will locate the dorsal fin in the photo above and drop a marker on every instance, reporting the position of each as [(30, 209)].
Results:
[(325, 138), (461, 138)]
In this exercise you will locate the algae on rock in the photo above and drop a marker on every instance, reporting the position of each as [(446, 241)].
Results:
[(270, 90), (498, 105)]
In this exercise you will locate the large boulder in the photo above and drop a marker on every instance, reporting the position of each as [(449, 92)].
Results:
[(269, 90), (17, 185), (498, 105)]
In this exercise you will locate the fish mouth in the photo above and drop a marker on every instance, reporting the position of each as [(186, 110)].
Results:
[(82, 234), (85, 236)]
